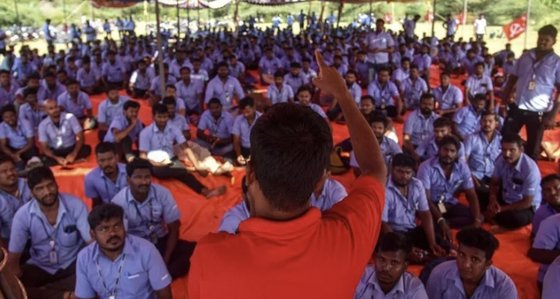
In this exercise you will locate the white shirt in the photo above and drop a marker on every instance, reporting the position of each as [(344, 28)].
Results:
[(480, 26)]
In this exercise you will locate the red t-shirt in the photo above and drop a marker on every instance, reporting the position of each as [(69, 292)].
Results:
[(314, 256)]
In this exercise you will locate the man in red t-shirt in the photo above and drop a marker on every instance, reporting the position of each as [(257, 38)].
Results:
[(288, 249)]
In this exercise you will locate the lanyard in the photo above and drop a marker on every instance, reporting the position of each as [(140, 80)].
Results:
[(111, 194), (537, 64), (117, 278), (148, 222)]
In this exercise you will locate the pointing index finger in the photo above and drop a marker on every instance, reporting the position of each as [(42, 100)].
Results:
[(320, 60)]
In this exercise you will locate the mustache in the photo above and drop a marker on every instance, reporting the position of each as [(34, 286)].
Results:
[(114, 239)]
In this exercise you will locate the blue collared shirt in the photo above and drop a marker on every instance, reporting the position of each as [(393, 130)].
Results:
[(220, 127), (481, 153), (269, 66), (224, 91), (551, 287), (61, 136), (432, 176), (295, 82), (419, 128), (430, 149), (87, 79), (408, 286), (520, 180), (114, 73), (388, 148), (190, 93), (10, 203), (143, 271), (542, 213), (69, 233), (180, 122), (546, 74), (412, 91), (150, 216), (8, 96), (478, 85), (97, 185), (467, 120), (356, 92), (155, 86), (547, 237), (152, 138), (333, 192), (16, 137), (452, 97), (276, 95), (75, 106), (31, 116), (141, 80), (120, 123), (242, 128), (58, 90), (383, 95), (108, 111), (400, 211), (423, 61), (445, 283)]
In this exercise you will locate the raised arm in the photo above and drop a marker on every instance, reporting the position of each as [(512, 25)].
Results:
[(366, 148)]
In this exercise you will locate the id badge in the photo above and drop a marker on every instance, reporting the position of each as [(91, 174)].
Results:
[(112, 297), (441, 207), (532, 85), (53, 257)]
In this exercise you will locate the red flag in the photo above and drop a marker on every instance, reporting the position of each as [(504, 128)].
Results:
[(515, 28), (429, 16), (460, 18), (388, 18)]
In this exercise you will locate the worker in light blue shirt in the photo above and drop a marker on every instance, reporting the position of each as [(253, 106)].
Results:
[(224, 87), (75, 101), (550, 205), (241, 130), (479, 83), (279, 92), (448, 96), (443, 126), (16, 137), (419, 127), (152, 214), (109, 109), (515, 190), (214, 129), (56, 226), (387, 278), (14, 193), (108, 178), (119, 265), (551, 287), (546, 245), (472, 275), (413, 88)]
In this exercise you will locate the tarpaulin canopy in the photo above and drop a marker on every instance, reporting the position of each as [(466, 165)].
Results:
[(182, 3)]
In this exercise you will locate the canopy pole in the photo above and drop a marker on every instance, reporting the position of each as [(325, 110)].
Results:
[(434, 18), (370, 7), (17, 15), (178, 21), (145, 17), (527, 22), (464, 20), (64, 10), (160, 52), (308, 15), (197, 14), (340, 6), (323, 4), (236, 15)]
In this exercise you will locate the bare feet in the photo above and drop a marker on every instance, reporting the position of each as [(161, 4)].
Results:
[(209, 193)]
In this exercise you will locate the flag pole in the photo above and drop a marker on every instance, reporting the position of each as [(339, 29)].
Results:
[(464, 20), (434, 18), (160, 52), (527, 22)]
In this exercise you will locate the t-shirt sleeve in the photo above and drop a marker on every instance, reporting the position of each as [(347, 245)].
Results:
[(548, 234), (42, 131), (143, 141), (89, 186), (424, 176), (75, 125), (83, 288), (236, 130), (157, 270), (170, 208), (101, 117), (551, 287)]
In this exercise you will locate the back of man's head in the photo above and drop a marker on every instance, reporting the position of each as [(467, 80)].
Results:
[(290, 149)]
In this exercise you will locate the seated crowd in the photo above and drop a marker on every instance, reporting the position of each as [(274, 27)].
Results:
[(460, 163)]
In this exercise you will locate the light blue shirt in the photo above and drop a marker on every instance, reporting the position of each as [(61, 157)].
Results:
[(478, 85), (388, 148), (548, 237), (546, 74), (481, 153), (407, 287), (400, 211), (61, 136), (432, 176), (520, 180), (70, 233), (412, 91), (53, 93), (87, 79), (383, 95), (16, 137), (551, 287), (419, 128), (8, 96), (333, 192), (9, 204), (224, 91), (276, 95), (152, 138), (542, 213), (190, 93), (114, 73), (467, 120), (242, 128), (140, 80), (445, 283), (97, 185), (451, 98), (295, 82), (269, 66), (430, 149), (149, 217), (108, 111), (143, 271), (32, 117), (76, 106), (220, 127), (180, 122), (356, 92), (120, 123)]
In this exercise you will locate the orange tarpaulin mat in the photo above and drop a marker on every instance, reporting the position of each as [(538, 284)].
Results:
[(200, 216)]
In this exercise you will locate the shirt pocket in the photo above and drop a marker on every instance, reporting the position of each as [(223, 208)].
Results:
[(68, 237), (133, 282)]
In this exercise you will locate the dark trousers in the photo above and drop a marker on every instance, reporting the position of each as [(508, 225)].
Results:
[(417, 238), (532, 121), (458, 215), (85, 151), (40, 284), (245, 152), (179, 264), (25, 156), (512, 219), (178, 171)]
